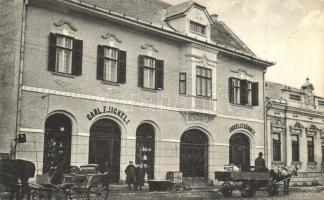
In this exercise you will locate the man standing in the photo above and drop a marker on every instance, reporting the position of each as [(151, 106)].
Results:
[(130, 175), (259, 164), (140, 174)]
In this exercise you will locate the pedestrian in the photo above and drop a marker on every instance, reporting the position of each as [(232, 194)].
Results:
[(140, 174), (131, 175)]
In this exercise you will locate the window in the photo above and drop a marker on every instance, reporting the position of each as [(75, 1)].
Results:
[(150, 73), (203, 82), (111, 64), (310, 148), (182, 83), (295, 147), (276, 147), (65, 54), (197, 28), (243, 92), (295, 97), (322, 144)]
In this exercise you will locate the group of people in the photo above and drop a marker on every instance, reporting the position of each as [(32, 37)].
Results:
[(135, 175)]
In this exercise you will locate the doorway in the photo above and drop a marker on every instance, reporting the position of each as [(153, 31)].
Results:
[(239, 151)]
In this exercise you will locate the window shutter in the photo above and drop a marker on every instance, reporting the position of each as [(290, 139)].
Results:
[(121, 76), (230, 90), (140, 71), (52, 52), (100, 62), (159, 75), (243, 93), (77, 57), (255, 94)]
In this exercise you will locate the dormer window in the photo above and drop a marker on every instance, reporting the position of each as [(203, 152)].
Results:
[(197, 28)]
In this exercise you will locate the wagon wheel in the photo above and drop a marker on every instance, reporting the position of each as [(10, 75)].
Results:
[(38, 195), (247, 190), (227, 189), (98, 189), (272, 189)]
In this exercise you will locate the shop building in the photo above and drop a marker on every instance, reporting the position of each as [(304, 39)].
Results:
[(107, 82), (295, 124)]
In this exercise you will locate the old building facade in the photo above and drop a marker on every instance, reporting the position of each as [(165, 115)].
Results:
[(295, 122), (107, 82)]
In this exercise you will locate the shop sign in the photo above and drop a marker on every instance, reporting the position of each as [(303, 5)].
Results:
[(242, 126), (108, 110)]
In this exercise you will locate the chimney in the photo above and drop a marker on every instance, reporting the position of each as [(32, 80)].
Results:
[(214, 17)]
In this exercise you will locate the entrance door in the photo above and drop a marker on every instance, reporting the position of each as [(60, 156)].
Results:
[(239, 151), (194, 154), (57, 143), (104, 147), (145, 147)]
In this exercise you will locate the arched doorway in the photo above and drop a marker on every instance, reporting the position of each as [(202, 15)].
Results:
[(145, 147), (57, 143), (239, 151), (194, 154), (104, 147)]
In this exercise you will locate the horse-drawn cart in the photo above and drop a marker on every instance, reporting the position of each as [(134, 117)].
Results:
[(247, 182)]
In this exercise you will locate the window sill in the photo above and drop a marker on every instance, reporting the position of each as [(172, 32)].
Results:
[(312, 163), (109, 83), (204, 97), (277, 162), (197, 33), (296, 162), (242, 106), (63, 74), (150, 90)]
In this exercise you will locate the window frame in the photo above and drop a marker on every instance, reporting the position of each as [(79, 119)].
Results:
[(310, 149), (149, 68), (198, 28), (276, 144), (184, 82), (110, 59), (205, 79), (295, 157), (64, 49), (237, 91)]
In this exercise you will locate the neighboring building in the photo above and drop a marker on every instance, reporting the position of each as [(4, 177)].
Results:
[(109, 81), (295, 124)]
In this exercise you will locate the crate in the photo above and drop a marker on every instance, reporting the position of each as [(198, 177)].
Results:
[(175, 177)]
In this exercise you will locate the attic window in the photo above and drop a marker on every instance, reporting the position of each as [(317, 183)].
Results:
[(295, 97), (197, 28)]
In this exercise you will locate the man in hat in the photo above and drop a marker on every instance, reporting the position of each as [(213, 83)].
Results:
[(259, 164), (131, 175)]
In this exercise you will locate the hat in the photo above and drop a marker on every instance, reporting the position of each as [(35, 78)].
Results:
[(260, 153)]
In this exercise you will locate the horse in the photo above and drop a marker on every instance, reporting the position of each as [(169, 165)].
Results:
[(11, 171), (284, 174)]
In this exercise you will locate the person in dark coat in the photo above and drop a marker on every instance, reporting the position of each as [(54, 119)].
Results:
[(140, 174), (131, 175), (259, 164)]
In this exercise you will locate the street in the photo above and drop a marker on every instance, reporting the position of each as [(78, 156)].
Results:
[(295, 194)]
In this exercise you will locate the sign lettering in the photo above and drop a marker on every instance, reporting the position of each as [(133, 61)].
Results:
[(242, 126), (108, 110)]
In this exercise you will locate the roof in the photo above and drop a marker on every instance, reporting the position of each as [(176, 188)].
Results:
[(179, 8), (156, 11)]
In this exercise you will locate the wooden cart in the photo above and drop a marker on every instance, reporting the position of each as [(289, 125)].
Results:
[(247, 182)]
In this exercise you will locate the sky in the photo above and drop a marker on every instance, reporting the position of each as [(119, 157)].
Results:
[(288, 32)]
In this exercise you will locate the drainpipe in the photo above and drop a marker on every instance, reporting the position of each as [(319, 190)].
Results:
[(265, 121), (21, 68)]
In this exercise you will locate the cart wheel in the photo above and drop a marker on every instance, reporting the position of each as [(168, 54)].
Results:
[(247, 190), (37, 195), (272, 189), (227, 189)]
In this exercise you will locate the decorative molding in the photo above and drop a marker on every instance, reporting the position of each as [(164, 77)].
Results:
[(221, 144), (148, 45), (242, 71), (312, 130), (277, 124), (110, 35), (83, 134), (170, 140), (259, 147), (192, 117), (297, 128), (203, 58), (62, 83), (62, 22)]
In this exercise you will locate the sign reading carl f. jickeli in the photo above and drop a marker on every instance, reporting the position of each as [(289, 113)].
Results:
[(108, 110)]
